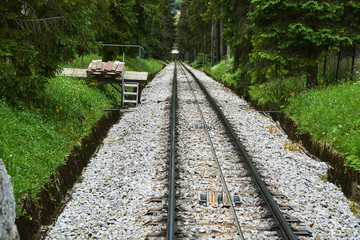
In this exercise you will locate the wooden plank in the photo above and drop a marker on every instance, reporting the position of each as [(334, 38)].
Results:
[(114, 66), (108, 66), (120, 67), (136, 76), (73, 72), (92, 65), (98, 64)]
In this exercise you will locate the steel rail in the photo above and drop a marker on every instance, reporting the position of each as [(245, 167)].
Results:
[(216, 160), (171, 225), (284, 228)]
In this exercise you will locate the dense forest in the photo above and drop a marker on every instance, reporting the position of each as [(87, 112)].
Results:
[(269, 40), (37, 36)]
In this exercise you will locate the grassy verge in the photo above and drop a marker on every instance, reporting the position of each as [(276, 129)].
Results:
[(332, 115), (35, 141), (147, 65)]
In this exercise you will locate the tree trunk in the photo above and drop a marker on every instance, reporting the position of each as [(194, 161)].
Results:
[(217, 42), (311, 76), (212, 39), (222, 43), (204, 46)]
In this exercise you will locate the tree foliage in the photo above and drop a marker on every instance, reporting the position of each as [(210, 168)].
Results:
[(194, 28), (38, 35), (162, 35), (276, 38), (290, 36)]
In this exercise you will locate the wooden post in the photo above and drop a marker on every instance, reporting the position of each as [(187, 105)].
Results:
[(212, 38), (222, 43), (217, 41)]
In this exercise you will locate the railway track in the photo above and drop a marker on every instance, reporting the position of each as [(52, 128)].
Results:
[(215, 190)]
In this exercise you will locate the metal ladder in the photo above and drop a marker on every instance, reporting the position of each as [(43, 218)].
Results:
[(136, 87)]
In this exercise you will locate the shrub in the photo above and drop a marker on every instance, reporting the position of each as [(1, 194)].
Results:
[(278, 91)]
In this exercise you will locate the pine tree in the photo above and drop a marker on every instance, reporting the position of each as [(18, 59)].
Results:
[(290, 37)]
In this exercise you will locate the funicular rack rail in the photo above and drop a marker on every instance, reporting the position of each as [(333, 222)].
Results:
[(285, 230)]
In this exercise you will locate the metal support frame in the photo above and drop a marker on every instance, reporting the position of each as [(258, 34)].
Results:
[(121, 45), (123, 72)]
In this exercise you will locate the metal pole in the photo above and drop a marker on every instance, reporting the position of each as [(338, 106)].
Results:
[(122, 86), (121, 45), (82, 61)]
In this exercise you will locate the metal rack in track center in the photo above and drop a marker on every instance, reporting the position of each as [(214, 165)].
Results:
[(284, 229), (226, 189)]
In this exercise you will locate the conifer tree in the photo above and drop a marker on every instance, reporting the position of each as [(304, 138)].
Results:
[(290, 37)]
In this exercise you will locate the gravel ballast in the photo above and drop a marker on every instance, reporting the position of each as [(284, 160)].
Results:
[(318, 204), (112, 198)]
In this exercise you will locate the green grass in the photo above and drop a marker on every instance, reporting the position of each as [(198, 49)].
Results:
[(34, 142), (147, 65), (76, 63), (332, 115), (227, 77)]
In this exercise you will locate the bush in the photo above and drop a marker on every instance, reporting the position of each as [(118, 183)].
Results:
[(198, 63), (277, 92)]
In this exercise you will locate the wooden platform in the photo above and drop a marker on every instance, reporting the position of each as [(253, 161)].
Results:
[(106, 72), (74, 72), (129, 75)]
